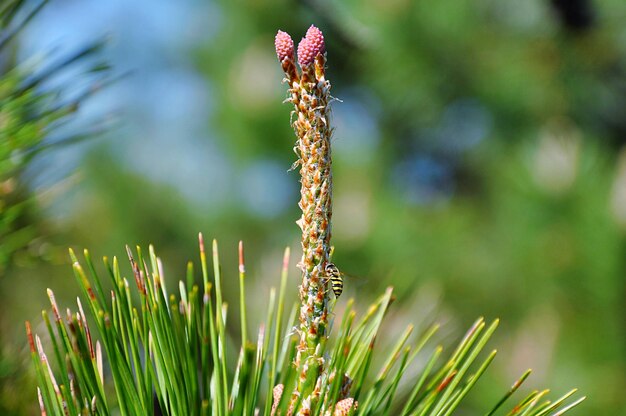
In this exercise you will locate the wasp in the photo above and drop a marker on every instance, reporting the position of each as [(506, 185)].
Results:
[(336, 278)]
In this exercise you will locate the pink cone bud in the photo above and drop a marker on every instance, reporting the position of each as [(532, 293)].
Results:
[(277, 393), (284, 45), (315, 36), (343, 407), (310, 46)]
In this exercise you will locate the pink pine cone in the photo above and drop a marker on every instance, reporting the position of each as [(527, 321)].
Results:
[(343, 407), (310, 46), (284, 45), (316, 37)]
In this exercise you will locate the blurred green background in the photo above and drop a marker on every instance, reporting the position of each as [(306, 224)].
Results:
[(478, 153)]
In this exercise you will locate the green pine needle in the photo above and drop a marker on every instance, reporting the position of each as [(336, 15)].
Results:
[(140, 350)]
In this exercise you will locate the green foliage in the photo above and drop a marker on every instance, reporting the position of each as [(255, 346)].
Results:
[(33, 120), (29, 118), (149, 342)]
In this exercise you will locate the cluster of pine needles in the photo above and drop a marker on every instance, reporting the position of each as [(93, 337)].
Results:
[(138, 349)]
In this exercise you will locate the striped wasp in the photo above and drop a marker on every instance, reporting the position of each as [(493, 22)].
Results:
[(336, 278)]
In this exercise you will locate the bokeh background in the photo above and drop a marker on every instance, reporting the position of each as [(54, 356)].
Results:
[(478, 153)]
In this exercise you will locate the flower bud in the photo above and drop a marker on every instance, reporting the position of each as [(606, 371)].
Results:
[(310, 46), (284, 45)]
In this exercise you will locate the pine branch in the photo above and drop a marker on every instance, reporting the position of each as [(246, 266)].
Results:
[(142, 350)]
